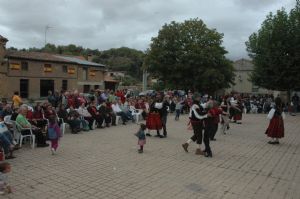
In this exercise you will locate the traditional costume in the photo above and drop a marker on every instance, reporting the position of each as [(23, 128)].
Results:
[(153, 121), (276, 125)]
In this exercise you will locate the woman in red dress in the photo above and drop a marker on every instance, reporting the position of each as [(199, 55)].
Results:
[(275, 129), (153, 121)]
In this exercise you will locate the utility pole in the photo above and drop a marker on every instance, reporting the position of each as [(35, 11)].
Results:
[(145, 75), (46, 29)]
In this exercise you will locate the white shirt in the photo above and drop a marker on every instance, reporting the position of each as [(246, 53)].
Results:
[(193, 109), (116, 108), (83, 112)]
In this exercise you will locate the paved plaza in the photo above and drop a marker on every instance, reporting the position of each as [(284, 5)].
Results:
[(104, 163)]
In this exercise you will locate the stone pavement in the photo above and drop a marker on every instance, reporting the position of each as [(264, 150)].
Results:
[(104, 163)]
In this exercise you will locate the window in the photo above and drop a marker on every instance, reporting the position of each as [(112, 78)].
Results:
[(86, 88), (71, 70), (64, 85), (14, 66), (92, 73), (84, 74), (24, 88), (65, 69), (47, 68), (24, 65), (45, 86)]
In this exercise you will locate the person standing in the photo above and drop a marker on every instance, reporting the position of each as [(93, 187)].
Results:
[(163, 112), (17, 100), (275, 129), (141, 137), (215, 111), (225, 115), (197, 115), (54, 134), (295, 102)]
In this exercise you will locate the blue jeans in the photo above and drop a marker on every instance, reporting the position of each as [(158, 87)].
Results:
[(6, 140), (177, 113)]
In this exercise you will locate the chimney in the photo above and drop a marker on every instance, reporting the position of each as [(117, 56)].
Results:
[(3, 41)]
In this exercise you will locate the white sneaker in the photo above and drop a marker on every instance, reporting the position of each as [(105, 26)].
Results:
[(52, 151)]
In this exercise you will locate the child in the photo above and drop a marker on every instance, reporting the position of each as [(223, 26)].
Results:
[(141, 137), (178, 108), (53, 133), (4, 186)]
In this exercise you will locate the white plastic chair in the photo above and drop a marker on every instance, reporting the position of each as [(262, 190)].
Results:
[(31, 135), (118, 118), (136, 113)]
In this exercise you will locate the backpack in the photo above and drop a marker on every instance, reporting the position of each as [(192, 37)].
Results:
[(52, 133)]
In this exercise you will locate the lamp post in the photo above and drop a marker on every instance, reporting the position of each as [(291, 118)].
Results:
[(145, 79), (46, 29)]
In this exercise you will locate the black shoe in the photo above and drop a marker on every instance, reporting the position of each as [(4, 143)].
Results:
[(214, 139), (140, 151), (208, 154), (124, 123), (271, 142), (159, 136), (165, 136), (114, 125), (148, 134)]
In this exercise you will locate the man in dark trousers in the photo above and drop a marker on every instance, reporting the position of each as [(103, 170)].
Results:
[(197, 115)]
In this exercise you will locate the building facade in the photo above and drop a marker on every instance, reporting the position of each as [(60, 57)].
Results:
[(33, 74), (243, 69)]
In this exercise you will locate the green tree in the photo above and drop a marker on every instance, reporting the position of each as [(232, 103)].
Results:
[(123, 59), (275, 50), (189, 55)]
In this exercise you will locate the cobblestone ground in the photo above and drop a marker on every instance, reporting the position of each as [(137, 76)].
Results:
[(104, 163)]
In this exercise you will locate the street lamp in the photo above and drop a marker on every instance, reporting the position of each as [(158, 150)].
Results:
[(46, 29)]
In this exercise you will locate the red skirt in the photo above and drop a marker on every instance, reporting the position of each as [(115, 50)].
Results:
[(275, 128), (237, 117), (153, 121)]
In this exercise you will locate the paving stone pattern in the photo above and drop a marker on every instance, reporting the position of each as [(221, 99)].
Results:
[(104, 163)]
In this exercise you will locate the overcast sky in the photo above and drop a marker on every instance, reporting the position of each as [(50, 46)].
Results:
[(106, 24)]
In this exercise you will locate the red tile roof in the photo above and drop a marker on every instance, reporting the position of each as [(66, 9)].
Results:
[(39, 56)]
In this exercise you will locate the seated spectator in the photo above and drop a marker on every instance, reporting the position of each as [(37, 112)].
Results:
[(82, 110), (106, 113), (49, 111), (37, 117), (117, 110), (74, 120), (62, 113), (141, 105), (126, 109), (6, 110), (92, 109), (24, 123), (6, 141)]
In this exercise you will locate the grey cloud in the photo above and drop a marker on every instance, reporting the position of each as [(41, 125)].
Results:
[(105, 24)]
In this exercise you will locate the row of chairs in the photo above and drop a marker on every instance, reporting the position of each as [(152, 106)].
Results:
[(20, 136)]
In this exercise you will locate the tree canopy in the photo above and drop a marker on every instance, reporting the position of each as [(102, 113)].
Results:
[(123, 59), (275, 50), (189, 55)]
